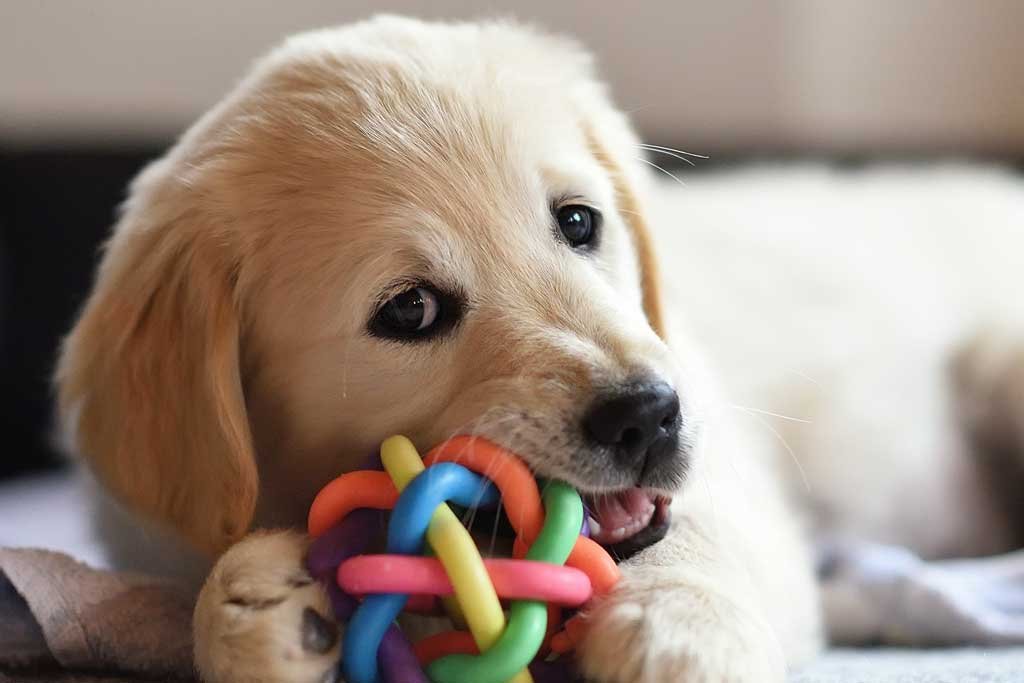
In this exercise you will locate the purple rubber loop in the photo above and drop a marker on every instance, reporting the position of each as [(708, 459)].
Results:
[(397, 660), (346, 539), (349, 538), (585, 527)]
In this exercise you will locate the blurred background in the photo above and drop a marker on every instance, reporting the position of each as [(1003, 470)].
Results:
[(89, 91)]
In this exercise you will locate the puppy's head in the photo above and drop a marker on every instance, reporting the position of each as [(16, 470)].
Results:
[(394, 227)]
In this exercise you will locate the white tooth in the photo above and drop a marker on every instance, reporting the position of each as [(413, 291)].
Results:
[(619, 533), (595, 528)]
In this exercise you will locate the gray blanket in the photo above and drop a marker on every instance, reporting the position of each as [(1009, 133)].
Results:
[(993, 665), (111, 627), (57, 614), (62, 622)]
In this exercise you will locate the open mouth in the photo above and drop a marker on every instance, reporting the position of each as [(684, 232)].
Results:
[(627, 521)]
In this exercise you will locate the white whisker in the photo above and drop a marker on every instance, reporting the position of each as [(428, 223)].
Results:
[(768, 412), (494, 526), (668, 153), (805, 376), (651, 163), (673, 149), (782, 440)]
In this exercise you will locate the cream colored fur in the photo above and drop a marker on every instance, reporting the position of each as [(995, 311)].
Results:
[(857, 293), (221, 373)]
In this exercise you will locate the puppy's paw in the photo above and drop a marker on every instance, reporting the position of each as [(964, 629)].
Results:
[(261, 617), (656, 629)]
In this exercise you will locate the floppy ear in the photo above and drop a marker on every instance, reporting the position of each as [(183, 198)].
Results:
[(149, 382), (612, 142)]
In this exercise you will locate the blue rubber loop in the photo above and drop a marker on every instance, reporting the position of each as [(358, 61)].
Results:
[(409, 521)]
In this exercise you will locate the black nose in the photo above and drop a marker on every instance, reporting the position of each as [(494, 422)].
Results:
[(635, 420)]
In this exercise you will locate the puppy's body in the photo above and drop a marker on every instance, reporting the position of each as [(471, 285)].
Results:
[(844, 302), (232, 357)]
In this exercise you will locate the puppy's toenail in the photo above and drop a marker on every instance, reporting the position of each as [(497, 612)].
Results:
[(318, 634)]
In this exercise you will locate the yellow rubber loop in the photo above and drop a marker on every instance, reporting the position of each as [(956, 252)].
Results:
[(450, 603), (455, 548)]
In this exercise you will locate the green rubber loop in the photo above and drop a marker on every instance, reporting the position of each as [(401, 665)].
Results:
[(517, 646), (563, 518), (528, 619)]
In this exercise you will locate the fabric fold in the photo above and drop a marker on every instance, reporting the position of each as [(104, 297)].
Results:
[(57, 612)]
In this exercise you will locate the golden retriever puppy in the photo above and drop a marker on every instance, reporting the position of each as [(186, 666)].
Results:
[(426, 229), (434, 229)]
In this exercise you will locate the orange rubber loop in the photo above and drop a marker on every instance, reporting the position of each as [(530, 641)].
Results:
[(590, 558), (351, 491), (561, 644), (570, 636)]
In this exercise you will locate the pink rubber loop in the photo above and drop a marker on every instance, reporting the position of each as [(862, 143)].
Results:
[(512, 579)]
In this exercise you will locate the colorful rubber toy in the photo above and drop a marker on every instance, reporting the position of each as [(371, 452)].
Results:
[(555, 565)]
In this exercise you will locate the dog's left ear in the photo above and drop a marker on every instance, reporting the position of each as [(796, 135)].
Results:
[(612, 142), (150, 386)]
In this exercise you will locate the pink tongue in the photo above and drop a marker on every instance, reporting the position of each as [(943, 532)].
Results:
[(616, 511)]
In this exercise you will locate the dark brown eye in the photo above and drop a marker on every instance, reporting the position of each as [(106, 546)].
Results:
[(413, 313), (578, 224), (418, 313)]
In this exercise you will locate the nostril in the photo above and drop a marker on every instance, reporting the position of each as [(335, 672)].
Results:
[(671, 418), (630, 438)]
